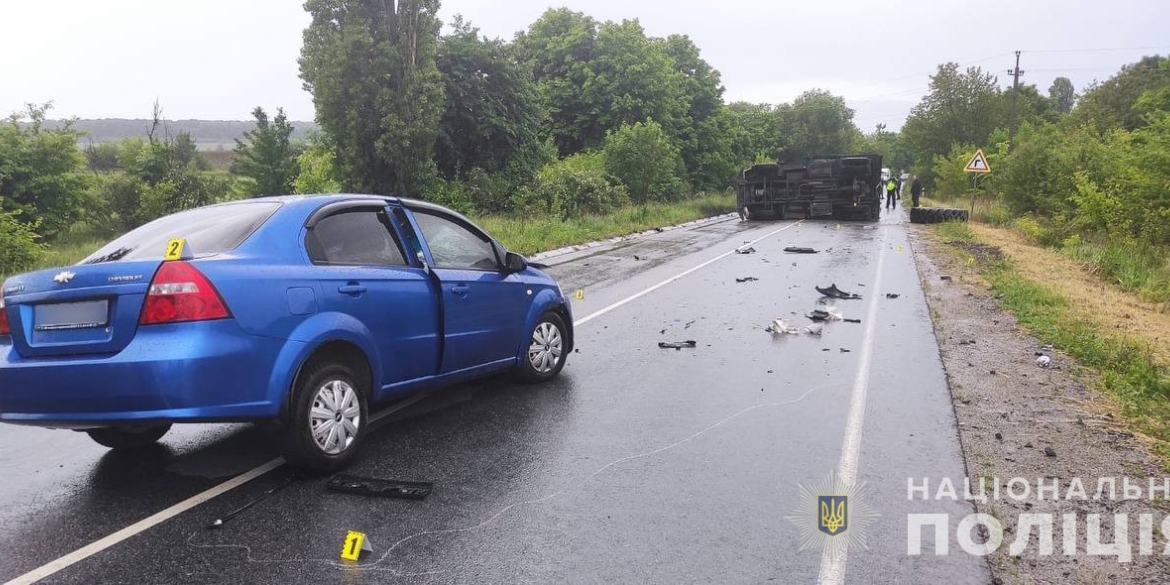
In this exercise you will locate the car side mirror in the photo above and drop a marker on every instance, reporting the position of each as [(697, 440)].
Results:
[(514, 262)]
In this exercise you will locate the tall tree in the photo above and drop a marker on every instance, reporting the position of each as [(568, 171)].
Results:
[(267, 155), (597, 77), (494, 113), (559, 47), (41, 178), (817, 122), (960, 108), (706, 142), (1033, 106), (1062, 93), (370, 65), (1111, 104), (635, 80), (756, 131)]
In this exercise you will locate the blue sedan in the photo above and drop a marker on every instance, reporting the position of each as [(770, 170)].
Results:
[(303, 310)]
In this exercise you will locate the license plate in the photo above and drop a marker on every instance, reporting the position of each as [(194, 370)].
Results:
[(60, 316)]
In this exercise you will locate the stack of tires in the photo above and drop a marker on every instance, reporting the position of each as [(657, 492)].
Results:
[(937, 214)]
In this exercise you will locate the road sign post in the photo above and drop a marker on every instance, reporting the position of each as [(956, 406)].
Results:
[(976, 166)]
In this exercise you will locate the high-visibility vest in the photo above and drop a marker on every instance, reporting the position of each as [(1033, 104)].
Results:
[(891, 186)]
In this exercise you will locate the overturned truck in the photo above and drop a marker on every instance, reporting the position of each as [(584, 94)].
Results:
[(844, 187)]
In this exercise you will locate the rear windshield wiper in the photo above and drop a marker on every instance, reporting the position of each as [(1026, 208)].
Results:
[(116, 254)]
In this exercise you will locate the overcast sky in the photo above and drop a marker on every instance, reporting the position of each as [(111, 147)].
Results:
[(217, 59)]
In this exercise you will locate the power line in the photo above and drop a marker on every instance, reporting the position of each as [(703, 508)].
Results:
[(1100, 50), (1073, 69), (883, 82)]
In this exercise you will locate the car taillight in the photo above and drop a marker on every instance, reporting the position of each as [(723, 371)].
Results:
[(5, 329), (179, 292)]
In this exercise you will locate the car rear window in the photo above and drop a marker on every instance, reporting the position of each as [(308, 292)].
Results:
[(208, 231)]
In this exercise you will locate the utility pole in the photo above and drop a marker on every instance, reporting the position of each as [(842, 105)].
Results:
[(1013, 120)]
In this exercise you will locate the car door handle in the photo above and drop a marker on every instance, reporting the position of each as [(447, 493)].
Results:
[(352, 288), (461, 290)]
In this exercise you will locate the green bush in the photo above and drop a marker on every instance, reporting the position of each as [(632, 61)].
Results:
[(452, 194), (120, 200), (570, 188), (645, 160), (20, 244), (41, 172)]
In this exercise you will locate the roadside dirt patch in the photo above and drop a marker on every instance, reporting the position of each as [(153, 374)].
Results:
[(981, 252), (1017, 419), (1088, 295)]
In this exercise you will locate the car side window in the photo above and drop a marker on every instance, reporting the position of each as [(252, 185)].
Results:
[(361, 237), (454, 245)]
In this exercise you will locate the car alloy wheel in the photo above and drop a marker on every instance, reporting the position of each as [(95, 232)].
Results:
[(327, 416), (547, 346), (335, 416)]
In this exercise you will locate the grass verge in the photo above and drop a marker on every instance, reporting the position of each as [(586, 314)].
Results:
[(530, 235), (1129, 263), (526, 235), (1128, 370)]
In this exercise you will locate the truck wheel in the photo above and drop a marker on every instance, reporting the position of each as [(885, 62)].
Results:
[(746, 214), (125, 438), (327, 420)]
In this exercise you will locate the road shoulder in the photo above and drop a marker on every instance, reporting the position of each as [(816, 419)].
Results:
[(1017, 419)]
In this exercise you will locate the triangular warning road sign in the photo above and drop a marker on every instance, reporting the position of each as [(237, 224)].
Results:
[(978, 163)]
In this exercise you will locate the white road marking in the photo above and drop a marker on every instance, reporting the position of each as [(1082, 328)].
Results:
[(159, 517), (600, 312), (833, 569), (144, 524), (168, 513)]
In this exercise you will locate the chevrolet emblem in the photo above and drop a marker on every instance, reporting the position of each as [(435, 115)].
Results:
[(63, 277)]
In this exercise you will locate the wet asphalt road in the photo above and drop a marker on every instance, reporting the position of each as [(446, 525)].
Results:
[(638, 464)]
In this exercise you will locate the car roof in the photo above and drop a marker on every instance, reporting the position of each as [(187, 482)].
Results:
[(310, 203)]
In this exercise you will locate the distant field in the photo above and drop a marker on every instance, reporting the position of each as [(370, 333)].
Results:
[(204, 132)]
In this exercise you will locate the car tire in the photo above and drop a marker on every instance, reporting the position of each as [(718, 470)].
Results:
[(548, 340), (126, 438), (326, 395)]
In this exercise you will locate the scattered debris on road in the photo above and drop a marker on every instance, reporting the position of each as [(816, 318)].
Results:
[(221, 521), (746, 279), (1044, 361), (676, 344), (382, 488), (688, 324), (1050, 452), (815, 329), (799, 250), (781, 326), (823, 315), (836, 293), (843, 350), (944, 277), (636, 257), (852, 320), (892, 295), (748, 250)]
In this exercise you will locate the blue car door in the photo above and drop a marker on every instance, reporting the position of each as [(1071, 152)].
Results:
[(484, 306), (364, 273)]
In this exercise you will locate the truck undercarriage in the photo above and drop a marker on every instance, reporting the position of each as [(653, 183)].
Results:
[(842, 187)]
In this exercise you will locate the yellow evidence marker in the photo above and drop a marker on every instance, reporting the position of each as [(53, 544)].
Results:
[(176, 249), (580, 294), (355, 543)]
